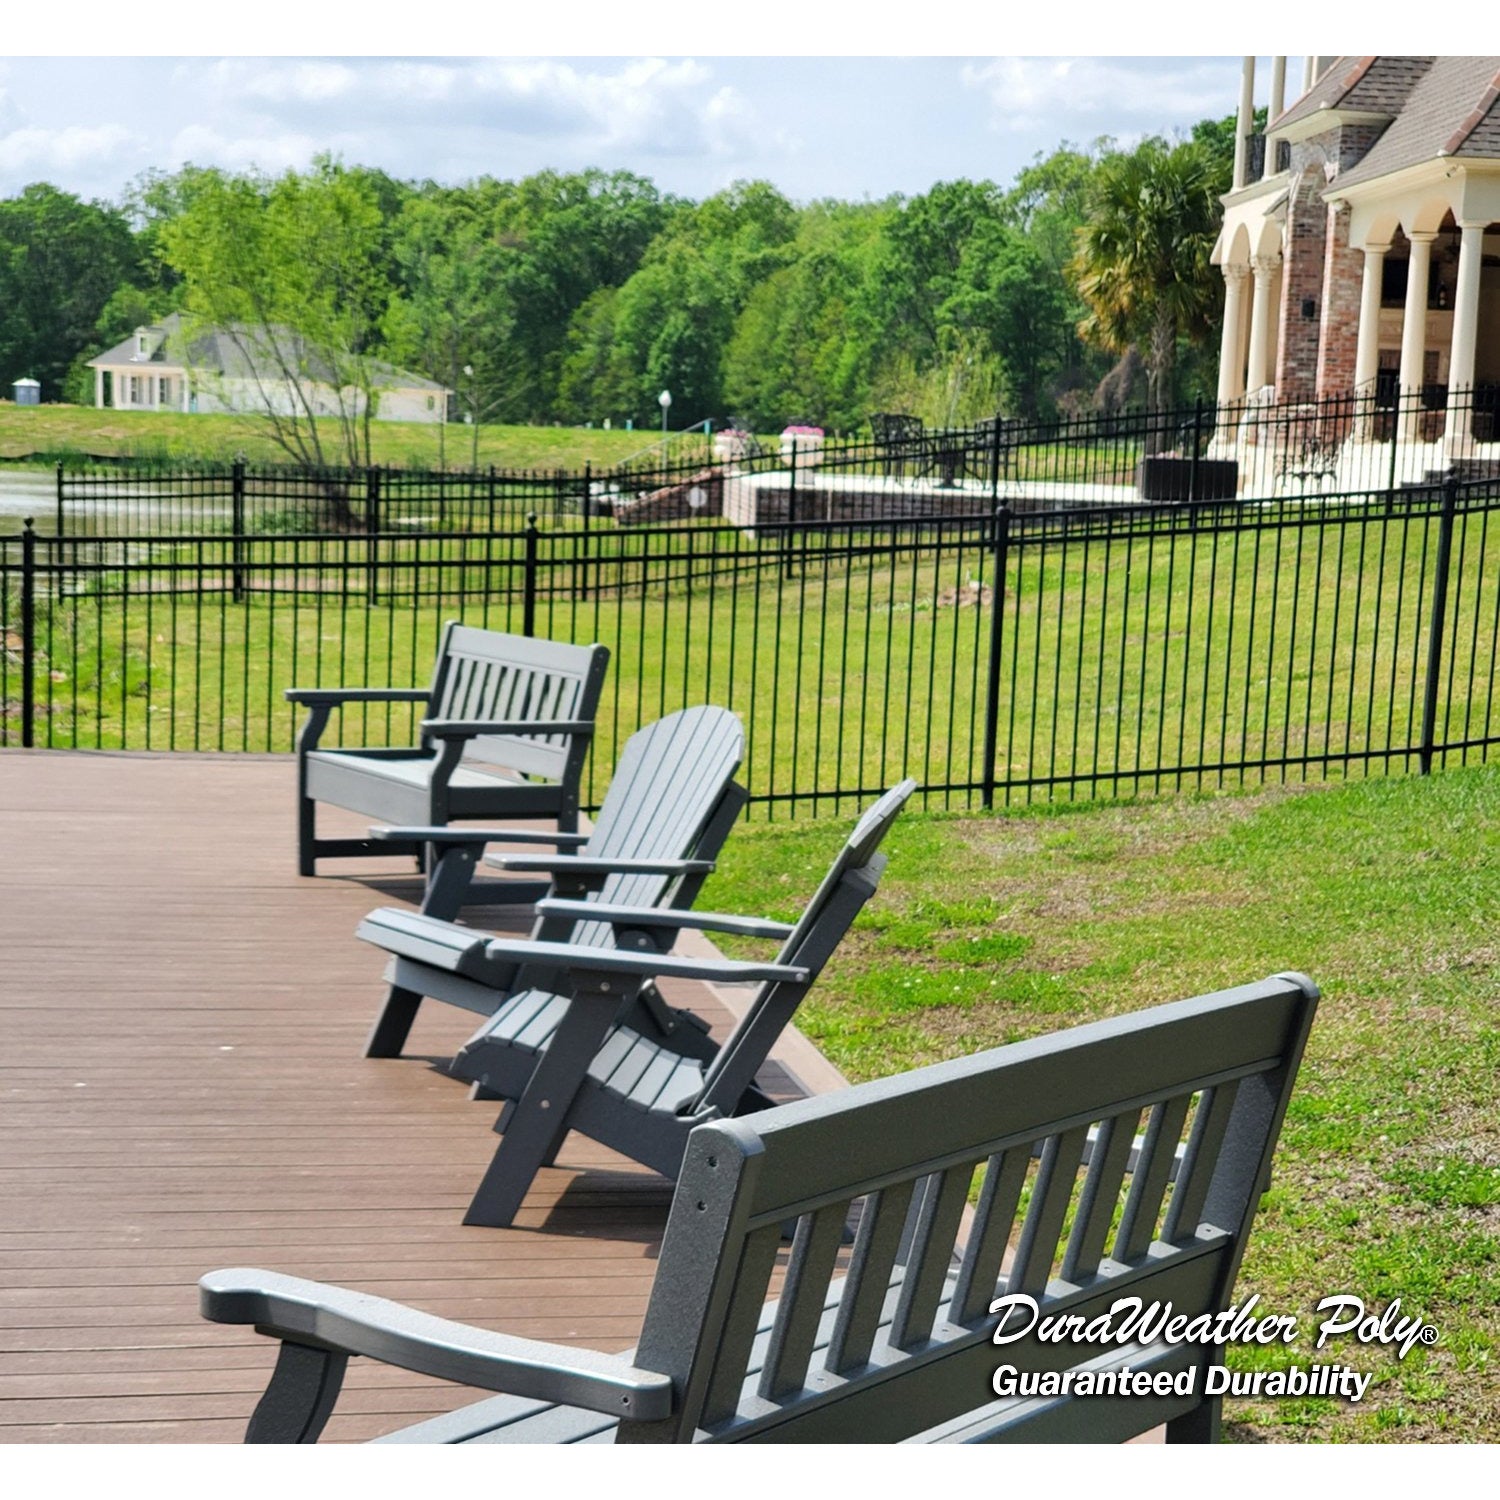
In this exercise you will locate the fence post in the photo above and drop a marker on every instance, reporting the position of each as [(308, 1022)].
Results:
[(28, 636), (59, 527), (581, 580), (995, 441), (999, 554), (791, 508), (1194, 494), (237, 526), (528, 579), (1390, 486), (1435, 625), (372, 533)]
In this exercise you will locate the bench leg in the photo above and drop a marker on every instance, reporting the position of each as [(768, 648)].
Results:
[(539, 1119), (1201, 1425), (300, 1397), (393, 1024), (307, 842)]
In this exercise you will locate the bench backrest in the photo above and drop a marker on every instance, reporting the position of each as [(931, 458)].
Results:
[(849, 883), (1073, 1209), (487, 675)]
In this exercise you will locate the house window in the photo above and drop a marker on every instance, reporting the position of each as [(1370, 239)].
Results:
[(133, 395), (431, 404)]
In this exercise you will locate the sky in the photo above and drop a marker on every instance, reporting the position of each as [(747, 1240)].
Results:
[(691, 100)]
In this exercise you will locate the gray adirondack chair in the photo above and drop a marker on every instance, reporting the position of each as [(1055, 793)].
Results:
[(568, 1060), (898, 1345), (667, 812), (505, 734)]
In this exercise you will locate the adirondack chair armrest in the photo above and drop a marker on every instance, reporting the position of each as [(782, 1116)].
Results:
[(598, 865), (333, 1318), (652, 916), (450, 835), (467, 729), (576, 960), (334, 696)]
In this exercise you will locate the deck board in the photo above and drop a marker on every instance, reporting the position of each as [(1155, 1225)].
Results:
[(182, 1088)]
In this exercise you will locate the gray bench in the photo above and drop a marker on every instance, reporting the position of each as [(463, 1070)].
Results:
[(505, 730), (1120, 1159)]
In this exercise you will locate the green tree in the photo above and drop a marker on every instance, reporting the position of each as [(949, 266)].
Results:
[(287, 270), (61, 261), (1142, 262)]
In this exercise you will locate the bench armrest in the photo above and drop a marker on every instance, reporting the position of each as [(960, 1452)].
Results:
[(330, 1317), (656, 916), (575, 959), (329, 696), (467, 729), (451, 835)]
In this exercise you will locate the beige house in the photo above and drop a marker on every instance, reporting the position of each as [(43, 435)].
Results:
[(1361, 243), (245, 370)]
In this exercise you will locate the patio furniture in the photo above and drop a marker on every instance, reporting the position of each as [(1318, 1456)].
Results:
[(899, 439), (663, 821), (901, 1343), (506, 729), (569, 1061)]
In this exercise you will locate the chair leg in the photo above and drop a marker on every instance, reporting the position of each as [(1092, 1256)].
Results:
[(539, 1119), (393, 1024)]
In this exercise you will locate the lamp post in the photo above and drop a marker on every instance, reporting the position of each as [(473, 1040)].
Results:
[(665, 402), (473, 420)]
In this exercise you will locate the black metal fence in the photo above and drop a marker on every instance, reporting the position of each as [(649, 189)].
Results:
[(1093, 651), (1245, 449)]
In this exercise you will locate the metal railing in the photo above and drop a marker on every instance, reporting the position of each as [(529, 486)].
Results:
[(1015, 654)]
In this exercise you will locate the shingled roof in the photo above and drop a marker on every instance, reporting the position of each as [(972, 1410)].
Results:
[(1438, 107), (231, 354)]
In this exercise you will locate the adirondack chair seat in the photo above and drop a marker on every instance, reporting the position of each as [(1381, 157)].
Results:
[(967, 1181), (668, 810), (505, 729)]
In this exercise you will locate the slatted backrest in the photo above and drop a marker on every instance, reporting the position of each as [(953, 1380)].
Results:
[(486, 675), (670, 799), (849, 883), (1045, 1132)]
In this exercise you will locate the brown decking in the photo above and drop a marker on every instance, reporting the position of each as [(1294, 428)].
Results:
[(181, 1088)]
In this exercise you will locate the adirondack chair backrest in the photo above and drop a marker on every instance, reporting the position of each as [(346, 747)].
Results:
[(484, 675), (669, 785), (849, 883), (850, 1356)]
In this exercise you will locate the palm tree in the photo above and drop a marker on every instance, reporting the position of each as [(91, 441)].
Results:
[(1142, 260)]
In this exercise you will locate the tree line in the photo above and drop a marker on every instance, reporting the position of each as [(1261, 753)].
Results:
[(577, 297)]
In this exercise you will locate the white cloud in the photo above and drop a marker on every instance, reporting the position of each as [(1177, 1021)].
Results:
[(1090, 93), (33, 152)]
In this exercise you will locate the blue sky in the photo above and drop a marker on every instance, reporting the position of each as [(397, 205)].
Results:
[(591, 87)]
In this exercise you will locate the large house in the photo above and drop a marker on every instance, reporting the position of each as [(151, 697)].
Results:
[(1361, 243), (161, 368)]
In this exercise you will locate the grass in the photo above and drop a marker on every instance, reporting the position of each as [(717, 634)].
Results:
[(60, 431), (990, 929)]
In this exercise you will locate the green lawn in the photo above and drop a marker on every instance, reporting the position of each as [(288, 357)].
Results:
[(61, 431), (1387, 1182)]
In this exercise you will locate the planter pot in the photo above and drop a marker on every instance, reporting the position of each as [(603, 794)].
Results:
[(1172, 478)]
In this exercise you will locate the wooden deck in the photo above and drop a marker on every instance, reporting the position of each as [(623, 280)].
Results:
[(182, 1088)]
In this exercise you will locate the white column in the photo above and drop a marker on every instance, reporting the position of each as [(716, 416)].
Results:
[(1465, 336), (1231, 348), (1414, 328), (1274, 108), (1261, 313), (1245, 121), (1308, 76), (1367, 349), (98, 387)]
